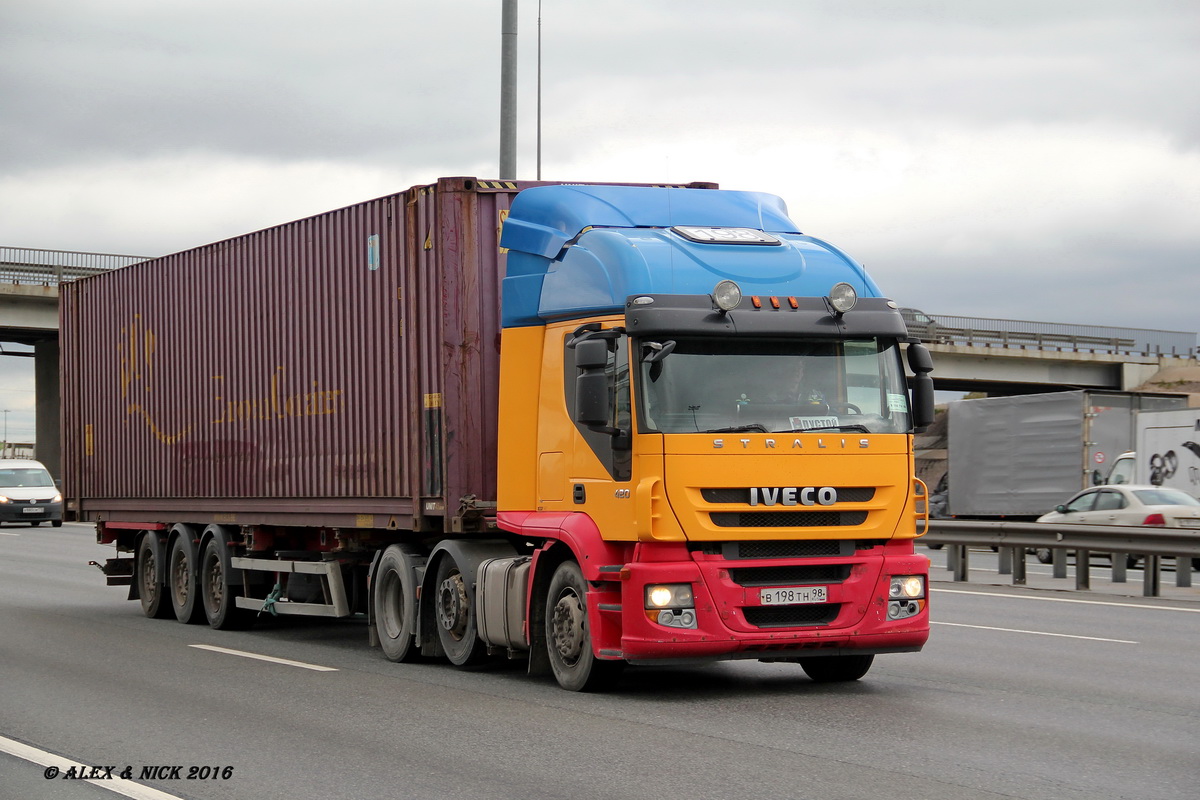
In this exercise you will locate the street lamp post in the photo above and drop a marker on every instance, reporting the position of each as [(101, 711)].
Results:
[(4, 451)]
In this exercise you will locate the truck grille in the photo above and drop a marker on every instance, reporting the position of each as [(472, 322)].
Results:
[(810, 548), (789, 576), (791, 616), (787, 519)]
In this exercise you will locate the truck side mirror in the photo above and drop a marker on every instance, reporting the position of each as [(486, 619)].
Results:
[(921, 363), (593, 391)]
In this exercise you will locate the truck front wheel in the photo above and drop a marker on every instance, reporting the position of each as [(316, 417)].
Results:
[(836, 669), (568, 636)]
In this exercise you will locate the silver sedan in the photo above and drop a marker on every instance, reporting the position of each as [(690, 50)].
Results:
[(1127, 504)]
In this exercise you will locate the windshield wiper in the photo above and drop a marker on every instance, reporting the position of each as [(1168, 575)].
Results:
[(753, 426), (862, 428)]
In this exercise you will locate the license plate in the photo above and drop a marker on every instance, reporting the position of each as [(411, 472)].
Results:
[(33, 510), (793, 595), (1189, 523)]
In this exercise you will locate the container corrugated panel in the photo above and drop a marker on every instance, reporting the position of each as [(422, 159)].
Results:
[(340, 369)]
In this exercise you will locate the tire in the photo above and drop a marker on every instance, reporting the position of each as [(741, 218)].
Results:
[(1043, 555), (568, 635), (150, 591), (836, 669), (216, 593), (56, 523), (454, 615), (181, 582), (35, 523), (393, 598), (936, 546)]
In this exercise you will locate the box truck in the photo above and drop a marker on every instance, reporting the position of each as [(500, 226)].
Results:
[(1018, 457)]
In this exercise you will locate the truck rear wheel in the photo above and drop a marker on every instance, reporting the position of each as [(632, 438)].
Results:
[(454, 611), (220, 604), (150, 591), (568, 635), (181, 582), (395, 616), (836, 669)]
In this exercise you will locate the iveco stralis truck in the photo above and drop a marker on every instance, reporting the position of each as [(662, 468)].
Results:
[(584, 425)]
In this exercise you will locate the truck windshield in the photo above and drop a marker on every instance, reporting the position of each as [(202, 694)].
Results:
[(710, 385)]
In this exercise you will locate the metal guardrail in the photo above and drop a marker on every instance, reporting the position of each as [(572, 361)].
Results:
[(1023, 334), (31, 266), (1015, 539)]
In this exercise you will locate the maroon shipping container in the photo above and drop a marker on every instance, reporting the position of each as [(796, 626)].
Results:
[(340, 370)]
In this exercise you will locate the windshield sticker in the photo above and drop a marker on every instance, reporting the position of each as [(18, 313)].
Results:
[(897, 403), (812, 423)]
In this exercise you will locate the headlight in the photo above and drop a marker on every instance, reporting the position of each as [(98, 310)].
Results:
[(669, 595), (57, 498), (907, 587), (3, 499)]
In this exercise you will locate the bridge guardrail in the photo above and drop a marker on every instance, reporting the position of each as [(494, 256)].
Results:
[(1024, 334), (33, 266), (1015, 539)]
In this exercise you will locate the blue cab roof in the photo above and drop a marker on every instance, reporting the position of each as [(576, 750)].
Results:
[(581, 250)]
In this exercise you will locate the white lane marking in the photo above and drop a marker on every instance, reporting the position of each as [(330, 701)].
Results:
[(6, 533), (272, 659), (122, 786), (1032, 633), (1067, 600)]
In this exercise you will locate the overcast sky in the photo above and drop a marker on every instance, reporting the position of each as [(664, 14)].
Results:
[(1023, 159)]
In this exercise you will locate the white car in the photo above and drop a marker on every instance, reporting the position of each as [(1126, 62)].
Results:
[(28, 493), (1128, 504)]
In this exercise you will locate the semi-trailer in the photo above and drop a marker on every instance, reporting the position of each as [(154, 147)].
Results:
[(588, 425)]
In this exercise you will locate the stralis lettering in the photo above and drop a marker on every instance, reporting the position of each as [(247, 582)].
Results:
[(793, 496)]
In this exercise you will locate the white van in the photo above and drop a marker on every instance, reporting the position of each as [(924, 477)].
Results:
[(28, 493)]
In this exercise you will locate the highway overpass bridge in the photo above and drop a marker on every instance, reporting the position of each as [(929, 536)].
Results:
[(970, 354)]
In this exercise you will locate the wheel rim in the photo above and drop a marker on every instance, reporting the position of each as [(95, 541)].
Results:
[(452, 605), (149, 571), (567, 627), (179, 578), (214, 590)]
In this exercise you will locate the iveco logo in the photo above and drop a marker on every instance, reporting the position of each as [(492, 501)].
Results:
[(793, 496)]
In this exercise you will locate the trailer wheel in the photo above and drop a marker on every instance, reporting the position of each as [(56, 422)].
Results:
[(395, 616), (836, 669), (454, 610), (181, 582), (150, 591), (1044, 555), (568, 635), (219, 604)]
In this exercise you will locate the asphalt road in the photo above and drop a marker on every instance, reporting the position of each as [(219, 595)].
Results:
[(1020, 694)]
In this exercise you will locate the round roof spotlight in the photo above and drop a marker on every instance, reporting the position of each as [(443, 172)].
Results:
[(727, 295), (842, 297)]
